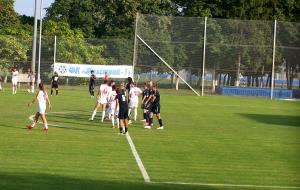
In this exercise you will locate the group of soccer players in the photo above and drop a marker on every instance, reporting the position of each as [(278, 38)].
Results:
[(116, 103), (120, 102)]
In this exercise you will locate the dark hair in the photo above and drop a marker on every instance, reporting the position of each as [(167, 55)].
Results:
[(118, 90), (113, 87), (129, 79), (92, 71)]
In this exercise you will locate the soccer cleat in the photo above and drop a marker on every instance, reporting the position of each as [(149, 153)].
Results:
[(129, 122), (143, 120), (45, 130), (29, 127), (91, 119), (161, 127), (147, 127)]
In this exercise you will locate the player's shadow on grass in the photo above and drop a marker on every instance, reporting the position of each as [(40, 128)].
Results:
[(37, 181), (284, 120)]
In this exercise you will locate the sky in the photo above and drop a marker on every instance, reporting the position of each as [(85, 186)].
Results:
[(26, 7)]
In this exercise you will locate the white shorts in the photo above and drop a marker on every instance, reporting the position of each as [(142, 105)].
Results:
[(102, 101), (112, 109), (133, 104), (14, 81), (41, 109)]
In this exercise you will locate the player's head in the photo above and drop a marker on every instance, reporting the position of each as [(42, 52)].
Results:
[(118, 90), (145, 85), (129, 79), (133, 83), (113, 87), (112, 83), (55, 73), (92, 71), (150, 83), (105, 81), (154, 87), (122, 85), (41, 86)]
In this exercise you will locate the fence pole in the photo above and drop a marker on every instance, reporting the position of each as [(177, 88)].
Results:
[(34, 37), (203, 57), (273, 62), (40, 43), (135, 45), (54, 51)]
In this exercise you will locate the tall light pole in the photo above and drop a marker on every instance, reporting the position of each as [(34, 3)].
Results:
[(34, 38), (40, 43)]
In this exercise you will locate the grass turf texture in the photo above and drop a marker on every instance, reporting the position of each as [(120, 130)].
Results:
[(231, 140)]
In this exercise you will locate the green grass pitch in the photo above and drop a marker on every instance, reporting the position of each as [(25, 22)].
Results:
[(207, 140)]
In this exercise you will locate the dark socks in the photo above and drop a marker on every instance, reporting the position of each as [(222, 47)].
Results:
[(56, 92), (144, 115), (160, 122), (51, 91)]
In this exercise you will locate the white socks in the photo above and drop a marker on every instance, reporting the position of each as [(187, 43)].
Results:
[(129, 112), (113, 120), (135, 114), (46, 125), (33, 124), (14, 90), (32, 89), (118, 123), (94, 114), (103, 115)]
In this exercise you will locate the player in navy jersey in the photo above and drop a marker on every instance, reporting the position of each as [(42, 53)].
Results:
[(54, 83), (154, 100), (122, 104), (92, 84), (145, 96)]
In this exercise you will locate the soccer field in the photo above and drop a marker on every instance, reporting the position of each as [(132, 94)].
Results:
[(210, 142)]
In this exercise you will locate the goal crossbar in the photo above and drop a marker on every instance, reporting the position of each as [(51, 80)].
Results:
[(149, 47)]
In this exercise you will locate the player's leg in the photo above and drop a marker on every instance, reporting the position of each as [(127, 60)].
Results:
[(56, 89), (43, 116), (159, 121), (32, 87), (35, 120), (103, 112), (95, 111), (51, 90), (121, 128), (135, 111)]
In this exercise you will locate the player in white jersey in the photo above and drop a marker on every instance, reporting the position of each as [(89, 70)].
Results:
[(42, 98), (31, 80), (14, 80), (102, 100), (134, 94), (107, 113), (113, 110)]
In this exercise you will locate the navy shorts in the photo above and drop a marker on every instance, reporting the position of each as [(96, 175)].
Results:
[(155, 109)]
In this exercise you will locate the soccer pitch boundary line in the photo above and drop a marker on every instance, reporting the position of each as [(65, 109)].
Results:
[(129, 140), (138, 159), (229, 185), (147, 177)]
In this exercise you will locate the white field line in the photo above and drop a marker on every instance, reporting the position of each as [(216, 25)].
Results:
[(138, 159), (230, 185), (32, 116)]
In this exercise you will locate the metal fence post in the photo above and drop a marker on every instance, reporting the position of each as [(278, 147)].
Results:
[(135, 45), (203, 60), (273, 62)]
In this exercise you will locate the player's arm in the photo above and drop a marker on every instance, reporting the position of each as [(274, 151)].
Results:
[(117, 104), (49, 103)]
